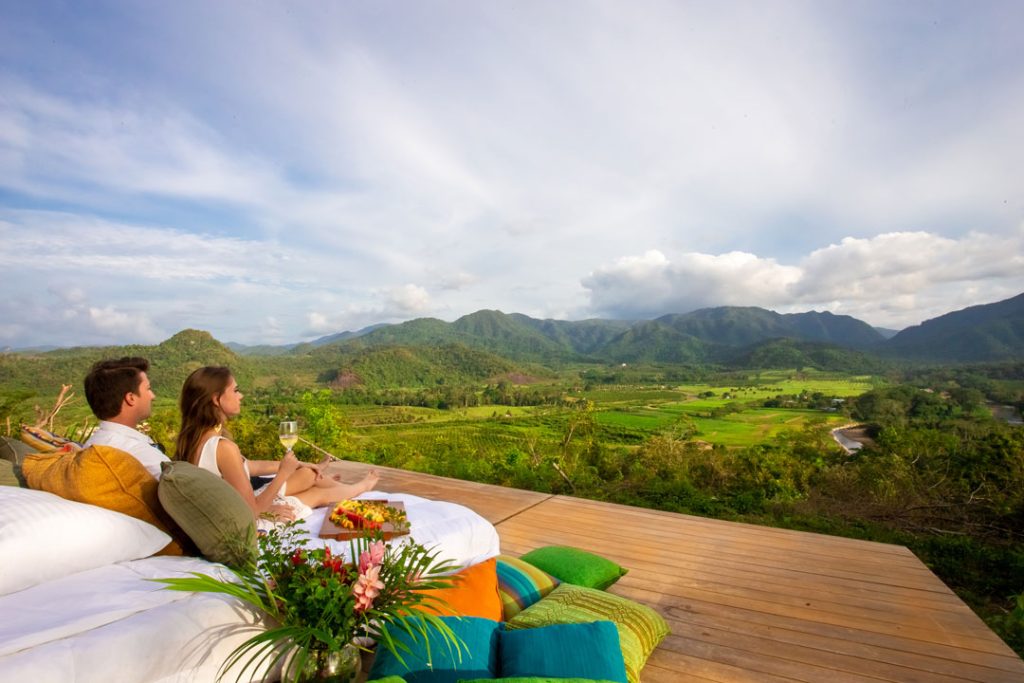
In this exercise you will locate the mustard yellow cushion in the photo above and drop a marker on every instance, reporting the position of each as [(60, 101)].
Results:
[(106, 477), (474, 593)]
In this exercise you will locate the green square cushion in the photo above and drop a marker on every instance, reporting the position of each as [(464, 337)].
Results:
[(640, 627), (573, 565), (209, 511), (585, 650), (520, 584), (479, 654)]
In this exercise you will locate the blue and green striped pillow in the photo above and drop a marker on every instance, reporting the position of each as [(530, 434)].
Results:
[(520, 584)]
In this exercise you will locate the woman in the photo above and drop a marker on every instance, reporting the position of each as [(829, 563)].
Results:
[(209, 398)]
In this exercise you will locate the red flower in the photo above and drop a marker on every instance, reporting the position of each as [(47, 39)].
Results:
[(298, 557)]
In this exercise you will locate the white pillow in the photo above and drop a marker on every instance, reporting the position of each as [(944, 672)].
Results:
[(44, 537)]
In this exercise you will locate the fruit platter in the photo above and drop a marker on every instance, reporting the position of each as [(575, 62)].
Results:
[(352, 518)]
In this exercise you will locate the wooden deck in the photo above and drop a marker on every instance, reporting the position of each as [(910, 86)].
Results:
[(751, 603)]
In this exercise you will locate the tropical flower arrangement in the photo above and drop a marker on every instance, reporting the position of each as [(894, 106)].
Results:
[(321, 603)]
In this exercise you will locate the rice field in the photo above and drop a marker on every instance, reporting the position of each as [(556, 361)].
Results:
[(623, 416)]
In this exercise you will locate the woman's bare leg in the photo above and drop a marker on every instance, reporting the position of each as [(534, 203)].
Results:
[(319, 492)]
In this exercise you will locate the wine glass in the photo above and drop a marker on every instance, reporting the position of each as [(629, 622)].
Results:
[(289, 434)]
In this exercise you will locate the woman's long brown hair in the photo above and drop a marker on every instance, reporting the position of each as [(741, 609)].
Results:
[(198, 411)]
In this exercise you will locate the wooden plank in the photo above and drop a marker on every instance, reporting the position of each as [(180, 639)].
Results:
[(810, 599), (751, 619), (642, 522), (663, 545), (749, 634), (779, 578), (749, 603), (881, 615)]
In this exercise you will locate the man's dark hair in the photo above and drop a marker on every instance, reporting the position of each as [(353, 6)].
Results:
[(109, 381)]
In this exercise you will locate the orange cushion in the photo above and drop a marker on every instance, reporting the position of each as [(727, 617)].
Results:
[(474, 594), (106, 477)]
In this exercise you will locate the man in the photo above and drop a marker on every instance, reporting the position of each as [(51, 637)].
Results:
[(119, 394)]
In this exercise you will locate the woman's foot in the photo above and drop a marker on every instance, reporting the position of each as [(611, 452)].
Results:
[(369, 482)]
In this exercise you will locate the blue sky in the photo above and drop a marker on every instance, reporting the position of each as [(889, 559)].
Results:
[(272, 171)]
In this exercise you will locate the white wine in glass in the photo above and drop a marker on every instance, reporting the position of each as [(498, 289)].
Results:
[(289, 434)]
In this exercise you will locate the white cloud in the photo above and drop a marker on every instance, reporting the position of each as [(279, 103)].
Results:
[(113, 324), (906, 263), (35, 317), (386, 305), (53, 147), (303, 162), (894, 279), (408, 300), (650, 285), (456, 280), (319, 322)]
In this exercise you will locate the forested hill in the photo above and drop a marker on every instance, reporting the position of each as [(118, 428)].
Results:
[(343, 367), (736, 326), (985, 333), (170, 363), (708, 335), (489, 344)]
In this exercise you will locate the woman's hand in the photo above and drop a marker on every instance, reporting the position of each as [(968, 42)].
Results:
[(317, 469), (289, 463)]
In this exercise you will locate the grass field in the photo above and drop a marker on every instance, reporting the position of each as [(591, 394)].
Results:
[(624, 415)]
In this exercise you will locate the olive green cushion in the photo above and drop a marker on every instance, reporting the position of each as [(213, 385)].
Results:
[(573, 565), (640, 627), (212, 513), (10, 475), (14, 450)]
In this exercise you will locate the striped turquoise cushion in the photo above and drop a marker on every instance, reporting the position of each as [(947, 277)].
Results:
[(520, 584), (640, 627)]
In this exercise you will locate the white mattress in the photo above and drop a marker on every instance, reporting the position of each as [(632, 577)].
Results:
[(111, 624)]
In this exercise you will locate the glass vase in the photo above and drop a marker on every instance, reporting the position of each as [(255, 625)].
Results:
[(330, 666)]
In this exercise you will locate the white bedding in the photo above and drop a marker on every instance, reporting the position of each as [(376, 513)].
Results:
[(111, 624)]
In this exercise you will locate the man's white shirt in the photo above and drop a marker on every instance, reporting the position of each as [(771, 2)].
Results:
[(131, 441)]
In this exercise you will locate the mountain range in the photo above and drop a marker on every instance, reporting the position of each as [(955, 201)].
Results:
[(729, 335), (490, 344)]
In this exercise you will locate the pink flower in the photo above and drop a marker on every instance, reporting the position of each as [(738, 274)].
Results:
[(373, 557), (367, 587)]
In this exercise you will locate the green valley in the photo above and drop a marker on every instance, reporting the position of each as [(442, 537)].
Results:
[(940, 474)]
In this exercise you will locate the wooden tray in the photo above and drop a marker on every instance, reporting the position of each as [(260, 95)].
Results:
[(332, 530)]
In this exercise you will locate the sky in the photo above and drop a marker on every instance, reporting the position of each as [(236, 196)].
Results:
[(272, 172)]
